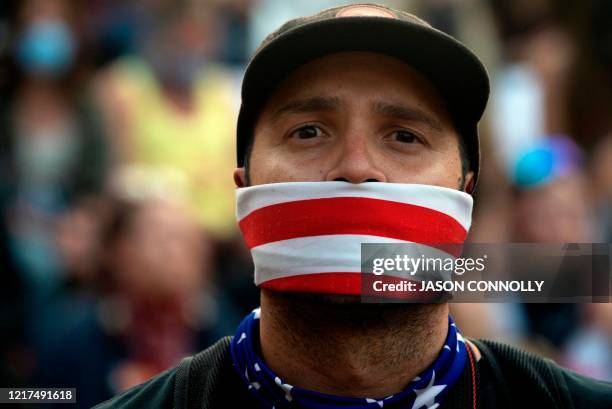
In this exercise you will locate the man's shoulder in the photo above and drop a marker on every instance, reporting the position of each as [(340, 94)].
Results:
[(588, 392), (157, 392), (526, 375), (162, 391)]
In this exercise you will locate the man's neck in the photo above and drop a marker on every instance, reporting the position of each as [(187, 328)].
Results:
[(339, 346)]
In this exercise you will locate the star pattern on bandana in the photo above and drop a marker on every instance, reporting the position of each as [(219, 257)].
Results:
[(426, 396), (459, 339), (286, 387), (255, 385), (378, 402)]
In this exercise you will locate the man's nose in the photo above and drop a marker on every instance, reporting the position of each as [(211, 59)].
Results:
[(356, 164)]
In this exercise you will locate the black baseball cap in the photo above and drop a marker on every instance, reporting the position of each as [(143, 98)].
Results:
[(454, 70)]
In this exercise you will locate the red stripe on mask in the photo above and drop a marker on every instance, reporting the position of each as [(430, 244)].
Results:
[(350, 215)]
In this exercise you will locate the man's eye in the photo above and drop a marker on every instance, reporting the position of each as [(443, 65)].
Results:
[(307, 132), (405, 137)]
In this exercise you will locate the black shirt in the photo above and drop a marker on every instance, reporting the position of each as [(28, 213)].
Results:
[(504, 377)]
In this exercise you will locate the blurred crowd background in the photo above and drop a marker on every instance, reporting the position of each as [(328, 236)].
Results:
[(119, 252)]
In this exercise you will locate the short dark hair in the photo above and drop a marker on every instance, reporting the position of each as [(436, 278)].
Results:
[(465, 162)]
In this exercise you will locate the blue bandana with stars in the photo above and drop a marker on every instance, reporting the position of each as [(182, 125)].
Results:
[(427, 390)]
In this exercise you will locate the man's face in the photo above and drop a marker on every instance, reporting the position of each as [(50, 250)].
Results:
[(357, 117)]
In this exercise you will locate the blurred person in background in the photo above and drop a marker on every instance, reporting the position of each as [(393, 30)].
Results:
[(53, 144), (552, 204), (53, 148), (552, 195), (158, 303), (170, 108), (170, 105)]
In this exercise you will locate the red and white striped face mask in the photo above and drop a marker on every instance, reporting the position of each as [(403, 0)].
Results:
[(306, 236)]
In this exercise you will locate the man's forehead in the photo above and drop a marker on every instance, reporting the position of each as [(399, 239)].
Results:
[(396, 108), (318, 87)]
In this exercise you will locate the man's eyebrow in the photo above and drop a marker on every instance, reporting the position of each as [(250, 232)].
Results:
[(406, 113), (314, 104)]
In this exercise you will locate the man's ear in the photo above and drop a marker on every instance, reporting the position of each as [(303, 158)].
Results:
[(469, 184), (240, 177)]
